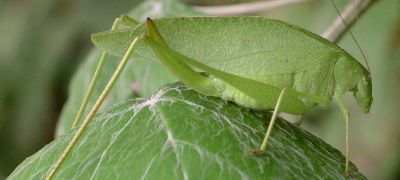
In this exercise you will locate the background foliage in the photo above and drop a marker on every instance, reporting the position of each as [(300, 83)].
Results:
[(43, 41)]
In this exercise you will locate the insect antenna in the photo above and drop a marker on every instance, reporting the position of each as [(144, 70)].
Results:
[(355, 4)]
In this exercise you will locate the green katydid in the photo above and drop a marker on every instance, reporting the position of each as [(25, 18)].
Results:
[(259, 95), (284, 67)]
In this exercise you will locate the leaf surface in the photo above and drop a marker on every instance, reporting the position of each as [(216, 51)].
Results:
[(181, 134)]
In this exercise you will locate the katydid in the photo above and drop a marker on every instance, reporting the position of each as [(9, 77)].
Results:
[(273, 66)]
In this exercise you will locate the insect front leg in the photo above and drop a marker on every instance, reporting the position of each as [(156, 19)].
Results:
[(123, 20), (345, 112)]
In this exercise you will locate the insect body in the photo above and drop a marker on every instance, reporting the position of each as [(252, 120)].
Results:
[(273, 53), (301, 90), (255, 62), (258, 62)]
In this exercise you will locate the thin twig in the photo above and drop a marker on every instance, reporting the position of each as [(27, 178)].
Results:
[(346, 19), (245, 8)]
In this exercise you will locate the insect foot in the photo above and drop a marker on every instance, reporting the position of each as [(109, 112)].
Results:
[(255, 152)]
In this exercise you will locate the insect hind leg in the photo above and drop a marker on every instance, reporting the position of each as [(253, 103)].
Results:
[(53, 170), (122, 20), (127, 21)]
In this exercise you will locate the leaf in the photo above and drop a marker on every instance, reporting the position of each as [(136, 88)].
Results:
[(139, 77), (181, 134)]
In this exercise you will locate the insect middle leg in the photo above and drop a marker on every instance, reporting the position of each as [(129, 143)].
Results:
[(263, 146)]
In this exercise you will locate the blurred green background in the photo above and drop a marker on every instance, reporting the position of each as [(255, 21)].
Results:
[(42, 42)]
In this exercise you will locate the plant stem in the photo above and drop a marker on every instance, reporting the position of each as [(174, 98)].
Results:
[(245, 8)]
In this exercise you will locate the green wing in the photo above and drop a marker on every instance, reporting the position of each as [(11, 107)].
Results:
[(260, 49), (264, 95)]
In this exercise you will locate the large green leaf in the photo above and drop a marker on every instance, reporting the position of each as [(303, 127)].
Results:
[(181, 134)]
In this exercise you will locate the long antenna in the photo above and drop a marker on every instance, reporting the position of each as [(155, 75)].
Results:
[(361, 35), (350, 13)]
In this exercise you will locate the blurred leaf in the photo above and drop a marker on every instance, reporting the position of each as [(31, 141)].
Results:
[(178, 134), (37, 54)]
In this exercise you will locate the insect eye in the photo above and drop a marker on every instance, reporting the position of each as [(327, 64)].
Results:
[(366, 78)]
